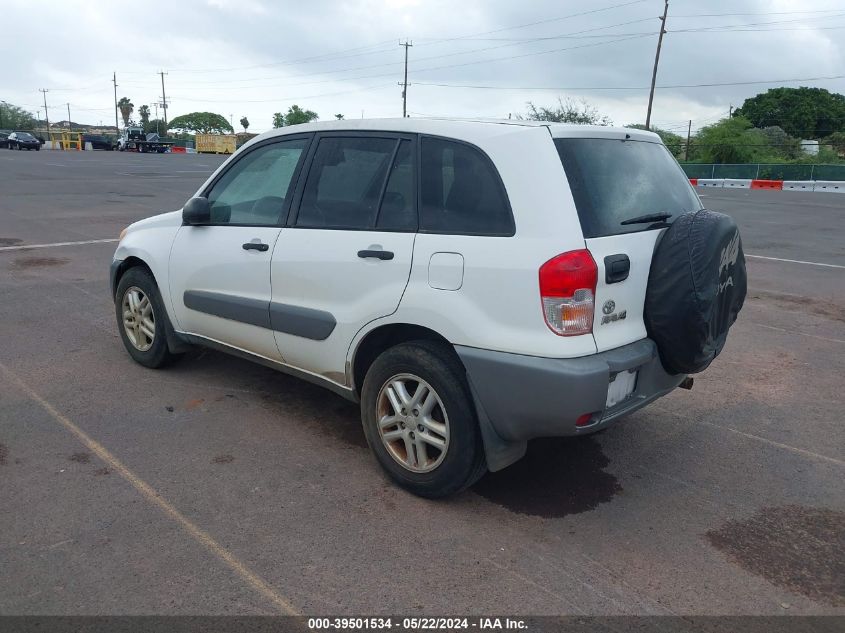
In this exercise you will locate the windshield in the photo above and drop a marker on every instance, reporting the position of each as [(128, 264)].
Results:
[(25, 136), (614, 180)]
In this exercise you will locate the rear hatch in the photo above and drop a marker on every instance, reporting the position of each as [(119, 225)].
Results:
[(614, 178)]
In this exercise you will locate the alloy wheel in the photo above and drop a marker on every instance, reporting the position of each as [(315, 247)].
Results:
[(412, 423)]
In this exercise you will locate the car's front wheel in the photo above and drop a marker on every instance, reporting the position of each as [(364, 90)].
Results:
[(141, 319), (420, 421)]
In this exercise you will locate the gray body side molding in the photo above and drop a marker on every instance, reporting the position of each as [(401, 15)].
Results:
[(306, 322), (316, 325), (242, 309)]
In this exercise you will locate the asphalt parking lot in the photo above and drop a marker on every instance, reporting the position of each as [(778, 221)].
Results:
[(222, 487)]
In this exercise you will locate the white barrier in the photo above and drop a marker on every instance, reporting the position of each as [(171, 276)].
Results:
[(735, 183), (711, 182), (832, 186), (798, 185), (88, 146)]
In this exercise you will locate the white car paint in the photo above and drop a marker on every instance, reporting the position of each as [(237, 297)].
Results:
[(493, 303)]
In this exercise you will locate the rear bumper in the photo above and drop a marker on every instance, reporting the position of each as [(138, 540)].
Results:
[(526, 397)]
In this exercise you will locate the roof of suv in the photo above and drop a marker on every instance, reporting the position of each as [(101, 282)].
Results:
[(464, 128)]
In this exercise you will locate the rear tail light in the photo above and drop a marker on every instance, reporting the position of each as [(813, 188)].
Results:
[(568, 291)]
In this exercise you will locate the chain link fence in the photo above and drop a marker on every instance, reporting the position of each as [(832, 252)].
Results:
[(759, 171)]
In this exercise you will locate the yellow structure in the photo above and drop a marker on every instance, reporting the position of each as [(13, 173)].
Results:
[(216, 143)]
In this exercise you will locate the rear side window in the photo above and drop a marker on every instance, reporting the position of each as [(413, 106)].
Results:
[(345, 183), (461, 191), (398, 210), (614, 180)]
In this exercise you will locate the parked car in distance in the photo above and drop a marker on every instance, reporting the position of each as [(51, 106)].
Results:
[(23, 140), (98, 141), (4, 139), (472, 285)]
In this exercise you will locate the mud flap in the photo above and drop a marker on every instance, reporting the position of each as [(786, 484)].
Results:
[(499, 453)]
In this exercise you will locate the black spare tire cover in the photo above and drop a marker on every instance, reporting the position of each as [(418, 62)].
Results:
[(696, 288)]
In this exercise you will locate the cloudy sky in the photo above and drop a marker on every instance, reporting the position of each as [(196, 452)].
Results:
[(470, 58)]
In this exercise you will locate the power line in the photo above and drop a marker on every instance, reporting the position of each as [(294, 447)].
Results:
[(657, 87), (547, 21)]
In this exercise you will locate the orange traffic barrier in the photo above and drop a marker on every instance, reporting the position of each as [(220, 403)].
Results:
[(767, 184)]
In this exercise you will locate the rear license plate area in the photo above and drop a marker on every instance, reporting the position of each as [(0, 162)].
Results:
[(621, 387)]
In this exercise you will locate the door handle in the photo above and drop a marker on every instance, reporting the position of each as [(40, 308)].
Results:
[(616, 268), (256, 246), (383, 255)]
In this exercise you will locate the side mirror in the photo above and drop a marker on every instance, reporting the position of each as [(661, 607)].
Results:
[(196, 211)]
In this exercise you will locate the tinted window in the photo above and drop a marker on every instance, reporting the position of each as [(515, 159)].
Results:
[(398, 210), (460, 191), (614, 180), (345, 183), (253, 191)]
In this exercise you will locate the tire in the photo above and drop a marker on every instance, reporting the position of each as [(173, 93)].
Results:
[(37, 149), (451, 420), (149, 352), (696, 289)]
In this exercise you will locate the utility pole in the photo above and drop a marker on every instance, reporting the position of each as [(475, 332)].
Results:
[(44, 91), (730, 111), (69, 124), (689, 134), (404, 84), (163, 97), (116, 126), (656, 62)]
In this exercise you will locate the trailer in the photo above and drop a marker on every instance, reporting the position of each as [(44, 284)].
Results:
[(134, 139)]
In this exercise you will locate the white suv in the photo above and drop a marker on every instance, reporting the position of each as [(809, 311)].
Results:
[(473, 284)]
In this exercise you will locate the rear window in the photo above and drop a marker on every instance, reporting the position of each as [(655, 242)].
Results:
[(614, 180)]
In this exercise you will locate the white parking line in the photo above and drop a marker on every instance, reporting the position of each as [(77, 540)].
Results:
[(794, 261), (23, 247)]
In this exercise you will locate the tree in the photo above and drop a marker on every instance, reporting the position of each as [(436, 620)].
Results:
[(13, 117), (156, 125), (295, 115), (567, 111), (782, 143), (339, 117), (837, 141), (126, 108), (801, 112), (201, 123), (244, 123), (144, 113), (672, 141)]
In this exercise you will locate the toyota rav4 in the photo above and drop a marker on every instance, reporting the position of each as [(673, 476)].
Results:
[(472, 284)]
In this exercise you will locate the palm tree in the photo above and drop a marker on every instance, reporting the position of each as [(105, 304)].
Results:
[(126, 108)]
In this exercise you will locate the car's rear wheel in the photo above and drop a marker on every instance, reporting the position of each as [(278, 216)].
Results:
[(142, 319), (420, 421)]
